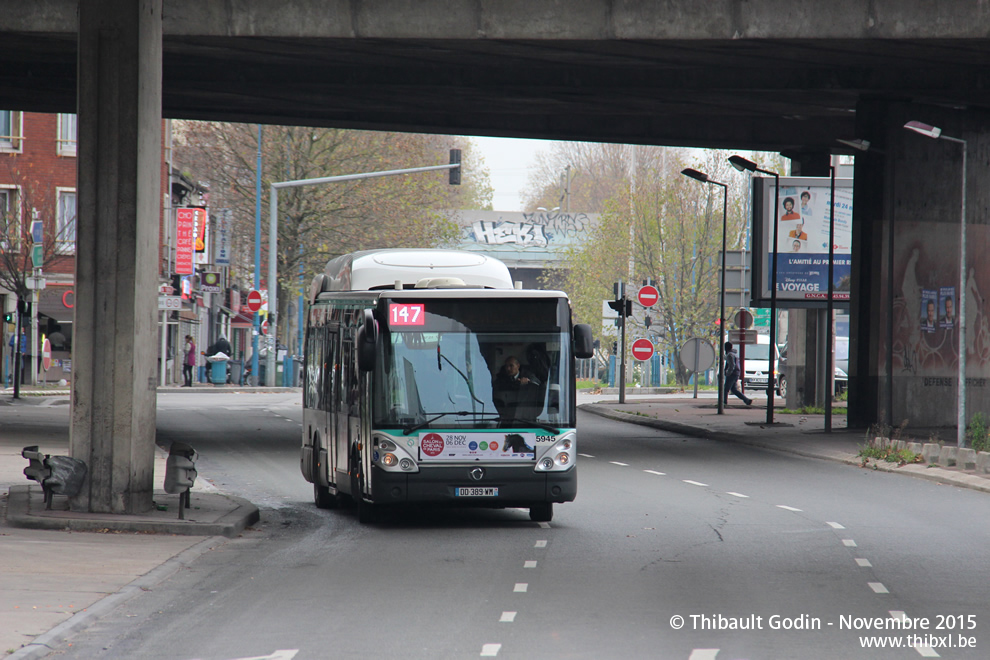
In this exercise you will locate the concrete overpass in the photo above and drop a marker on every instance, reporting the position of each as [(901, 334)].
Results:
[(785, 75)]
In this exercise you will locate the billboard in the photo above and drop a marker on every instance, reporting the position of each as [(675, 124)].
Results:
[(802, 249)]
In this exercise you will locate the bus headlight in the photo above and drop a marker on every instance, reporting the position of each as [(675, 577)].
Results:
[(405, 464), (388, 460), (547, 463), (392, 456), (563, 458), (557, 457)]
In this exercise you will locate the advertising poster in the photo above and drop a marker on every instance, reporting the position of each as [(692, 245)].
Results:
[(468, 446), (929, 310), (185, 230), (947, 307), (803, 219)]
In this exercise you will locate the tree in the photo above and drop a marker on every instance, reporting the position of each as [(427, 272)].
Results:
[(319, 222), (28, 201), (665, 227)]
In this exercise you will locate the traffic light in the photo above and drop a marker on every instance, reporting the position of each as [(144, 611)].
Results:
[(622, 307), (455, 172), (8, 317)]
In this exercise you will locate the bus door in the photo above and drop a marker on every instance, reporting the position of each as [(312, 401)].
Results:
[(345, 460)]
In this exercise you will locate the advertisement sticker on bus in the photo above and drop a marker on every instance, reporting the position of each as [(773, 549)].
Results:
[(461, 446)]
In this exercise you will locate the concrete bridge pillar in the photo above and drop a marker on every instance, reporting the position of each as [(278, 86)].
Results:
[(119, 161), (906, 247)]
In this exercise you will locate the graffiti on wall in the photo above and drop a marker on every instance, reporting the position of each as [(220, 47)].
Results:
[(926, 304), (531, 229)]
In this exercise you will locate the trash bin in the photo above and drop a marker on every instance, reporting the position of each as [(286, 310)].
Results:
[(236, 368), (218, 372)]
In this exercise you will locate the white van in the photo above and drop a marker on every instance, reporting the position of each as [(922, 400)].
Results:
[(756, 365)]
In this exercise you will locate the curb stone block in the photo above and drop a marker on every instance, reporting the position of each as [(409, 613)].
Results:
[(930, 452), (983, 462), (913, 447), (966, 459), (947, 457)]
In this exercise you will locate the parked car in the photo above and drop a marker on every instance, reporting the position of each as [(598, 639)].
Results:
[(756, 365)]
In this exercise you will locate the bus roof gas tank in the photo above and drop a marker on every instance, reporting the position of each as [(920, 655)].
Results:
[(383, 269)]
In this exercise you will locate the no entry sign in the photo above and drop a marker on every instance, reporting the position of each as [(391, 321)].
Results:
[(254, 300), (648, 296), (642, 349)]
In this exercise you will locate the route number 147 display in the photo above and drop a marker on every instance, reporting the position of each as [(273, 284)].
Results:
[(406, 314)]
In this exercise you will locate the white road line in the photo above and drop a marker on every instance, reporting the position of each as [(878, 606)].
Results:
[(703, 654), (787, 508), (521, 587), (849, 543), (865, 563), (659, 474), (586, 455), (540, 544), (618, 463), (878, 587), (737, 494), (507, 617), (835, 525), (544, 525), (490, 650), (694, 483), (926, 652), (530, 563), (900, 615)]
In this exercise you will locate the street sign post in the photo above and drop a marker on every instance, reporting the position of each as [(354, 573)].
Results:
[(46, 354), (697, 355), (170, 303), (642, 349), (743, 336)]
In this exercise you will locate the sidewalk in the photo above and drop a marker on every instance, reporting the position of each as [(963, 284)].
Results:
[(795, 433), (60, 570)]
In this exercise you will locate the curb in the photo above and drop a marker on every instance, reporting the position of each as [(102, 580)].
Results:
[(240, 514), (934, 474)]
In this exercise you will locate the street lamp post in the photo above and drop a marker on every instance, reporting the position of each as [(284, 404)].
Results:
[(701, 176), (742, 164), (935, 133)]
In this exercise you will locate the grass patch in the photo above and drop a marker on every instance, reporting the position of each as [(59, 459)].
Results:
[(812, 410), (881, 446)]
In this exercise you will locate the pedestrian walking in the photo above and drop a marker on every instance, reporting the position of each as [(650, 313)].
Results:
[(189, 361), (731, 371)]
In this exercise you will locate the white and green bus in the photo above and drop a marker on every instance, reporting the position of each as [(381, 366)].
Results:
[(430, 379)]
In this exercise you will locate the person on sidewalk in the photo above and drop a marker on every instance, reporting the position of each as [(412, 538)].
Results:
[(731, 370), (189, 362)]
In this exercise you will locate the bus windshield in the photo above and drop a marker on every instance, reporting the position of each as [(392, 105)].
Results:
[(474, 364)]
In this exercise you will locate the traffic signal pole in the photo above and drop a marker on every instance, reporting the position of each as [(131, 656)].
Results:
[(622, 349)]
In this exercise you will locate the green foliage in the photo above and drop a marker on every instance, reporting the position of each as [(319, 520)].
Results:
[(811, 410), (884, 449), (978, 433)]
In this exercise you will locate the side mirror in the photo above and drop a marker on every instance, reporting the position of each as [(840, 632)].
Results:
[(583, 342), (367, 337)]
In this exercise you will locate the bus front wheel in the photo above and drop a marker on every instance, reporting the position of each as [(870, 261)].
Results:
[(541, 512)]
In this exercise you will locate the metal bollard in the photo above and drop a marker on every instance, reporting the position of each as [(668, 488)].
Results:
[(180, 473)]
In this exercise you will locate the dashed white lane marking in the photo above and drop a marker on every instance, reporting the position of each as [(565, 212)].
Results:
[(703, 654), (540, 544), (544, 525), (531, 563), (507, 617), (618, 463), (865, 563), (737, 494), (521, 587), (787, 508), (834, 525), (490, 650), (900, 615), (878, 587), (849, 543), (694, 483), (659, 474), (926, 652), (585, 455)]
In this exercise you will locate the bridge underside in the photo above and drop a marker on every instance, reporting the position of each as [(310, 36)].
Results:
[(766, 94)]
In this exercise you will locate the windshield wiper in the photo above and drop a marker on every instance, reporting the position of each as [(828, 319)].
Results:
[(460, 413)]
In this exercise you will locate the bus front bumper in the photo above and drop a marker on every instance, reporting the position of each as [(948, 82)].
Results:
[(517, 486)]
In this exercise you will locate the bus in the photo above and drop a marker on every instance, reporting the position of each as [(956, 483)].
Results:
[(429, 379)]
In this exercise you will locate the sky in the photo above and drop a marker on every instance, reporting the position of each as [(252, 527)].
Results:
[(510, 161)]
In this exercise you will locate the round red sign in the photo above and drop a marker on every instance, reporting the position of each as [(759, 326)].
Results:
[(431, 444), (254, 300), (648, 296), (46, 354), (642, 349)]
